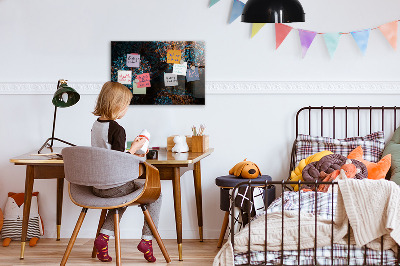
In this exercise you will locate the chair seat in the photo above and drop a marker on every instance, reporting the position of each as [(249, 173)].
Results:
[(83, 196)]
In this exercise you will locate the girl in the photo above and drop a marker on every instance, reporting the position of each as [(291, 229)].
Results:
[(112, 104)]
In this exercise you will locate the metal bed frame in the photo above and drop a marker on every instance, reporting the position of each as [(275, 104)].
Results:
[(283, 184)]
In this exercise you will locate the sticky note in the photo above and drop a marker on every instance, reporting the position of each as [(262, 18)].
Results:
[(124, 77), (180, 69), (133, 60), (170, 79), (192, 75), (174, 56), (136, 90), (144, 80)]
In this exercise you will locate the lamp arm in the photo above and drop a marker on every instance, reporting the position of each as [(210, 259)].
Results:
[(54, 126)]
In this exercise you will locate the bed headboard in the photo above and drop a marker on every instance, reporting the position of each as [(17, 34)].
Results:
[(344, 121)]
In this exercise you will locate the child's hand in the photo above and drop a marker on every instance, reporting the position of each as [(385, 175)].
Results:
[(137, 144), (143, 155)]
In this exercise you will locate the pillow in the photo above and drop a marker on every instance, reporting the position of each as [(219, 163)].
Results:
[(372, 144), (375, 170), (393, 148)]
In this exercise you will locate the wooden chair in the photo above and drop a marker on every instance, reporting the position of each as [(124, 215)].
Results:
[(85, 167)]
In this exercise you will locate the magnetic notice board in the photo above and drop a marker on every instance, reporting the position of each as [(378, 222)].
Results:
[(160, 72)]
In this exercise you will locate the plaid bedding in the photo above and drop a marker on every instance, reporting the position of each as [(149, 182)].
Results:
[(323, 207), (372, 145)]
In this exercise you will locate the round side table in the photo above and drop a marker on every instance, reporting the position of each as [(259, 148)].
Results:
[(228, 182)]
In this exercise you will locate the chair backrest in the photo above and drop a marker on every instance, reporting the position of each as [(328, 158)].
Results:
[(92, 166)]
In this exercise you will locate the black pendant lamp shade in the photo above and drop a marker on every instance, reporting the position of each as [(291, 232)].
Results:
[(273, 11)]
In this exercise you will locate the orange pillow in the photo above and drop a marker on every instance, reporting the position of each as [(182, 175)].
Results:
[(375, 170)]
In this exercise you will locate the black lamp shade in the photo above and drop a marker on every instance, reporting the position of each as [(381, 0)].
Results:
[(65, 96), (273, 11)]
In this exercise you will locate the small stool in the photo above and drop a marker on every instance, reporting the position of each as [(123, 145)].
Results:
[(226, 183)]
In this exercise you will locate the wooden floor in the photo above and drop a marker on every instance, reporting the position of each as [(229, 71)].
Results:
[(50, 252)]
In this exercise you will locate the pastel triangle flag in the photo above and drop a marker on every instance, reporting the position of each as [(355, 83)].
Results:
[(389, 30), (361, 37), (306, 39), (281, 31), (332, 41), (256, 27), (237, 9), (213, 2)]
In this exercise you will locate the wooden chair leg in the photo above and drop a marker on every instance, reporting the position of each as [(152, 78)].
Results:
[(154, 230), (101, 222), (73, 237), (117, 238), (223, 229)]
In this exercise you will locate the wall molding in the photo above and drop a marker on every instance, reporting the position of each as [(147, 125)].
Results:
[(232, 87)]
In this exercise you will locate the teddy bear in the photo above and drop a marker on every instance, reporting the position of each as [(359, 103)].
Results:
[(180, 144), (13, 215), (245, 169)]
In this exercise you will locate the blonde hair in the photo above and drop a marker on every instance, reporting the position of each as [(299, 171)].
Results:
[(112, 99)]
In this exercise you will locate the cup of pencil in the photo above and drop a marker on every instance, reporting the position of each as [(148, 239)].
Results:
[(199, 140)]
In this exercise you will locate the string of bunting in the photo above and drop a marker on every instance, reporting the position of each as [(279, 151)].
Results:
[(361, 37)]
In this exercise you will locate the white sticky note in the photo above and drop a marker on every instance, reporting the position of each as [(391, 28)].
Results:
[(170, 79), (136, 90), (180, 69), (124, 77), (133, 60)]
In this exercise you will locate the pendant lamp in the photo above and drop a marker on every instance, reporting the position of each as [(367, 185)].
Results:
[(272, 11), (64, 96)]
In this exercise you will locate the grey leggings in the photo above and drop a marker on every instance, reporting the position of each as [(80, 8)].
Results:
[(154, 208)]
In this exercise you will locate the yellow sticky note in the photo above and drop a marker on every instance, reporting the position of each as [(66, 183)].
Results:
[(174, 56)]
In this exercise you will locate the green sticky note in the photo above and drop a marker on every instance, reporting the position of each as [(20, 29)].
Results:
[(136, 90)]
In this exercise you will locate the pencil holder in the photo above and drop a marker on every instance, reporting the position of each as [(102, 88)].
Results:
[(200, 143)]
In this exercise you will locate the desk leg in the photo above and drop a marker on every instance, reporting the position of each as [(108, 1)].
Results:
[(199, 204), (176, 182), (27, 206), (60, 190)]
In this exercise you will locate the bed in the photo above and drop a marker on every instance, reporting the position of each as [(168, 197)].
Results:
[(298, 227)]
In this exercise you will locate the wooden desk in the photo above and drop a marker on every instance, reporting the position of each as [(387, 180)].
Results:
[(40, 167), (171, 167)]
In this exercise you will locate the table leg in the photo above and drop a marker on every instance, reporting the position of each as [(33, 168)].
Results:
[(199, 204), (60, 190), (27, 206), (176, 183)]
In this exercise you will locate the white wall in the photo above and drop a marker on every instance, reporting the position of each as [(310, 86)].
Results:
[(42, 41)]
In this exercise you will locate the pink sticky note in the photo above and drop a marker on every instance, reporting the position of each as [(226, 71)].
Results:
[(174, 56), (144, 80)]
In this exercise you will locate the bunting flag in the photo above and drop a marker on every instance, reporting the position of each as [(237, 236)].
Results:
[(281, 31), (389, 30), (213, 2), (306, 39), (256, 27), (237, 9), (332, 41), (361, 37)]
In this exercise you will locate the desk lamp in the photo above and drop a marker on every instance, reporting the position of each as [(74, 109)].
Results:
[(64, 96), (272, 11)]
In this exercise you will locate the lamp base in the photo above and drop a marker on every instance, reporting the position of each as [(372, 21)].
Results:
[(50, 146)]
